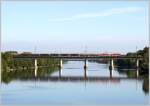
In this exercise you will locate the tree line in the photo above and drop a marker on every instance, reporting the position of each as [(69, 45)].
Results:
[(8, 62), (131, 63)]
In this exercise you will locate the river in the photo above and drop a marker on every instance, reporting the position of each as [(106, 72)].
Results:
[(114, 88)]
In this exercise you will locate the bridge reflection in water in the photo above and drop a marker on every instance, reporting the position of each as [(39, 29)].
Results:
[(86, 73), (80, 78), (109, 78)]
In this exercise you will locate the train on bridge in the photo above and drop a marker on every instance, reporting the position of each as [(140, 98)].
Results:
[(71, 54)]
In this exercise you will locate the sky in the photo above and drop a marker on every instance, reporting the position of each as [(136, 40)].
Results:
[(74, 27)]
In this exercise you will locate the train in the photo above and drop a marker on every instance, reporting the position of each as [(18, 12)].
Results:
[(70, 55), (112, 54)]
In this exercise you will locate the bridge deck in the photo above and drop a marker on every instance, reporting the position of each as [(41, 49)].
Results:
[(70, 56)]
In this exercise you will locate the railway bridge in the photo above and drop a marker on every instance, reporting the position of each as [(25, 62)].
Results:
[(84, 57)]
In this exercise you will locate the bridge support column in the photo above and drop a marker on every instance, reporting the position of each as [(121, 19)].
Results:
[(35, 65), (137, 73), (137, 68), (61, 64), (111, 67), (137, 63), (85, 64)]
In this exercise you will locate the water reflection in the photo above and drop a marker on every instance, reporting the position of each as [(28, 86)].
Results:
[(111, 72), (60, 72), (85, 73), (81, 79), (93, 85), (45, 74), (81, 92), (146, 86)]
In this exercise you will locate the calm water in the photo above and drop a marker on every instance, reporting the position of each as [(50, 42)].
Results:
[(105, 90)]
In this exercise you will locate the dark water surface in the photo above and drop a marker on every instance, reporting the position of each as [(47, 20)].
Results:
[(109, 88)]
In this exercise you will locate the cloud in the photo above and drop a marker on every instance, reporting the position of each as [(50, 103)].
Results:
[(105, 13)]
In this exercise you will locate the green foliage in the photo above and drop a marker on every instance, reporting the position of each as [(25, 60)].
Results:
[(24, 68), (146, 85), (144, 63), (9, 63)]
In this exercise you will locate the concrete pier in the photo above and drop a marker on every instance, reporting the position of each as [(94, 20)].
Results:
[(137, 68), (111, 66), (35, 72), (35, 63), (137, 72), (61, 64), (137, 63), (36, 67)]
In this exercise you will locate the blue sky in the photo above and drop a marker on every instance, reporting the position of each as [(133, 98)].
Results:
[(62, 27)]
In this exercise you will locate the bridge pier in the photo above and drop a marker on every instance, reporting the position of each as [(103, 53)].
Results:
[(137, 73), (35, 65), (85, 64), (61, 64), (137, 68), (35, 72), (137, 63), (111, 67)]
